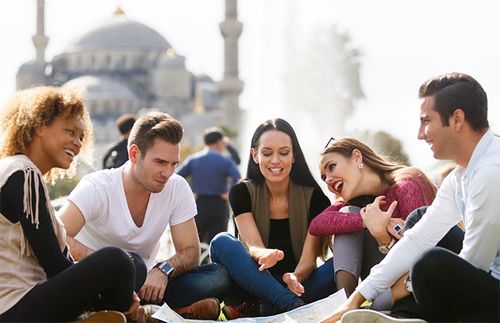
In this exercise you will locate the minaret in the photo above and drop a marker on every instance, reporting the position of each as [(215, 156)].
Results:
[(231, 86), (39, 39)]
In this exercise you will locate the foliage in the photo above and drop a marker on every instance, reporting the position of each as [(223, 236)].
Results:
[(62, 187), (387, 145)]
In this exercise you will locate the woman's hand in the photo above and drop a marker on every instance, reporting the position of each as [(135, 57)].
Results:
[(352, 303), (293, 284), (135, 312), (390, 227), (376, 220), (269, 258), (398, 290)]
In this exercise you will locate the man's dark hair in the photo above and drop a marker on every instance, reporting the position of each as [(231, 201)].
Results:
[(213, 135), (155, 125), (300, 173), (454, 91), (125, 123)]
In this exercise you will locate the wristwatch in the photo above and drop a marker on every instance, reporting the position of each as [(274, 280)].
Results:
[(384, 249), (408, 284), (165, 267)]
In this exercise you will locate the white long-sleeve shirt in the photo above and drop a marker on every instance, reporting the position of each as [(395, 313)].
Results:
[(470, 195)]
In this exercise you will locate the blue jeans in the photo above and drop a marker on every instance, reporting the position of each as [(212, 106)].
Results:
[(230, 252), (205, 281)]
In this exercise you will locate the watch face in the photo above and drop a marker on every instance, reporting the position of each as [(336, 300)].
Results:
[(167, 268)]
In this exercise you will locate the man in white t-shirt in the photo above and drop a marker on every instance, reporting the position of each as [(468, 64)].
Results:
[(130, 207), (447, 287)]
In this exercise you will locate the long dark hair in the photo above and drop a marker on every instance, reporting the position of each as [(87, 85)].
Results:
[(300, 173)]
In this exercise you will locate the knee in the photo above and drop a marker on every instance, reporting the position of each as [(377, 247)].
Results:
[(431, 264), (414, 217), (219, 244), (141, 270), (117, 260)]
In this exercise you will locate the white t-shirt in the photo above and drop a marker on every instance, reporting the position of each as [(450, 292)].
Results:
[(100, 196)]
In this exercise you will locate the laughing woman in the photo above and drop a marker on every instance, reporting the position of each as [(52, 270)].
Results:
[(43, 129), (362, 237), (274, 260)]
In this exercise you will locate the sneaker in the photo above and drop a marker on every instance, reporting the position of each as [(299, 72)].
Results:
[(245, 309), (369, 316), (103, 316), (206, 309)]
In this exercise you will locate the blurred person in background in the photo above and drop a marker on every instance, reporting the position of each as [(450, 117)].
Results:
[(211, 175), (118, 154)]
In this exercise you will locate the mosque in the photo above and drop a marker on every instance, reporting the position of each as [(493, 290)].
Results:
[(122, 65)]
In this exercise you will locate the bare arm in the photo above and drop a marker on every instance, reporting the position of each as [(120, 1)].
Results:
[(187, 247), (307, 262), (250, 236), (74, 221), (306, 265)]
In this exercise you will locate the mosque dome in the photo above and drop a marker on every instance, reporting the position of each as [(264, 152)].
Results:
[(32, 66), (171, 59), (100, 87), (118, 32)]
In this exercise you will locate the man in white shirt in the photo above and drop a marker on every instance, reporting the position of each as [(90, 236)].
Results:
[(130, 207), (446, 286)]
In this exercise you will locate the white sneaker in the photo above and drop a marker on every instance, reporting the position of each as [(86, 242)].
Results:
[(369, 316)]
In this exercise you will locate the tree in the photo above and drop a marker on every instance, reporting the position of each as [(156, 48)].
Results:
[(387, 145)]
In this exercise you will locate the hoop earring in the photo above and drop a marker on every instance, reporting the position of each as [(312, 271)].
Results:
[(361, 166)]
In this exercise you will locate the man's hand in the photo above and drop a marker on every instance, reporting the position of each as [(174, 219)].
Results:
[(293, 284), (269, 258), (225, 196), (154, 287), (135, 312)]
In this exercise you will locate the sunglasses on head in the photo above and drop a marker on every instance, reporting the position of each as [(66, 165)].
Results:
[(329, 142)]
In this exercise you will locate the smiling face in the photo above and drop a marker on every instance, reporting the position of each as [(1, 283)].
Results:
[(154, 168), (274, 155), (60, 142), (341, 174), (440, 138)]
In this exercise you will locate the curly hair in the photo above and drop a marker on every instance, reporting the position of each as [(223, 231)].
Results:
[(37, 107)]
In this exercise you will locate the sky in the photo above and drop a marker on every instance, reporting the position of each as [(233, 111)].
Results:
[(402, 43)]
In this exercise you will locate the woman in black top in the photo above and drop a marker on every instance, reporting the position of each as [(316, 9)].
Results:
[(274, 259), (44, 129)]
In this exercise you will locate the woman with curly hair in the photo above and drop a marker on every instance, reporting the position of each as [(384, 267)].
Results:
[(43, 130)]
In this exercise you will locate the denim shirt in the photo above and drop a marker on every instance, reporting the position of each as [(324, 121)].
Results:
[(466, 194)]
